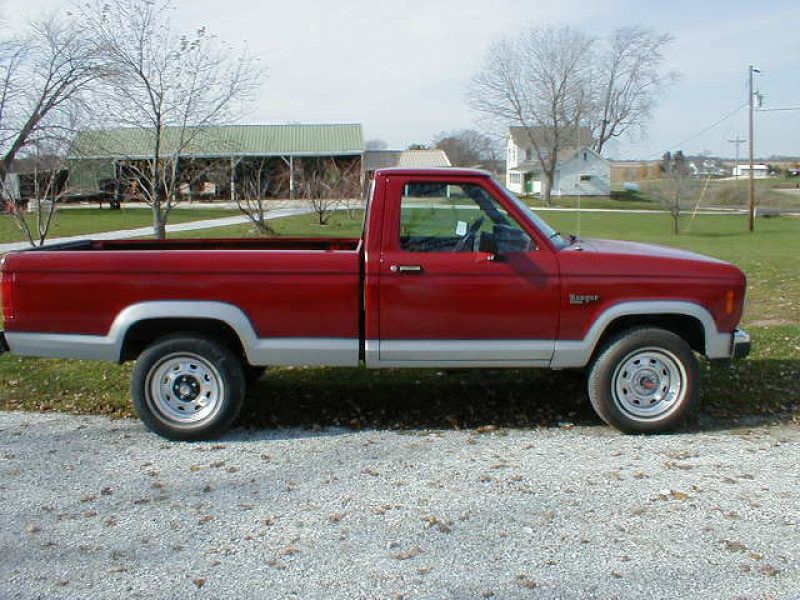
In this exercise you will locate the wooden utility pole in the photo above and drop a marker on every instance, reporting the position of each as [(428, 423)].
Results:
[(752, 196)]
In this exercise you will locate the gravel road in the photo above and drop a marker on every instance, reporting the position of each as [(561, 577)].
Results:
[(95, 508)]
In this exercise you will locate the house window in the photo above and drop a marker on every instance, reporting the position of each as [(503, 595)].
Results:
[(528, 154), (516, 178), (586, 178)]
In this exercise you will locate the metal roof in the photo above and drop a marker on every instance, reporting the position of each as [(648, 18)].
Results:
[(381, 159), (424, 158), (229, 140)]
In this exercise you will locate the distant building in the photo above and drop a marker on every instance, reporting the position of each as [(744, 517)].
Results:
[(759, 171), (212, 165), (579, 169), (634, 170), (709, 167), (417, 159), (43, 177)]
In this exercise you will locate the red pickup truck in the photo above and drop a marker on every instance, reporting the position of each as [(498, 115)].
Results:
[(451, 271)]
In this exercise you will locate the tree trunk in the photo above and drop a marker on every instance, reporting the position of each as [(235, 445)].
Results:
[(547, 188), (159, 223)]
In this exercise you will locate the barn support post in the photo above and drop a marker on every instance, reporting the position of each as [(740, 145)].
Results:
[(290, 162), (116, 200), (173, 197), (233, 180)]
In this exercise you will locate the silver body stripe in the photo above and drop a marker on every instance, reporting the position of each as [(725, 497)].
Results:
[(54, 345), (482, 350), (344, 351), (340, 352), (578, 353)]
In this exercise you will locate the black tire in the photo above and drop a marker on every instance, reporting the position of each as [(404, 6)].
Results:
[(201, 391), (645, 380)]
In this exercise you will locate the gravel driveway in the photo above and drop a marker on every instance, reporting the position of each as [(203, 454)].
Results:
[(94, 508)]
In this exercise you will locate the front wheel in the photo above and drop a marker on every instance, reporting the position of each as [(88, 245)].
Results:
[(645, 380), (187, 387)]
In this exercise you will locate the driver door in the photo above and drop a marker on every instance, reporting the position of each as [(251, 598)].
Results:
[(462, 282)]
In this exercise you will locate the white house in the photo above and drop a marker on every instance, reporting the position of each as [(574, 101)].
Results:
[(579, 169), (759, 171)]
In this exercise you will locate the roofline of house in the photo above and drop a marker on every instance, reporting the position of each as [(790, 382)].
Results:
[(227, 126), (216, 155)]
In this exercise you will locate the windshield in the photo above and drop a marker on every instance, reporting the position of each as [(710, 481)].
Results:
[(555, 237)]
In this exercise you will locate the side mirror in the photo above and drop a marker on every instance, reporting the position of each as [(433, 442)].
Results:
[(488, 244), (507, 239)]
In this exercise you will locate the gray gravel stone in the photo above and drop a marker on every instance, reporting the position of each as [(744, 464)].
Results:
[(95, 508)]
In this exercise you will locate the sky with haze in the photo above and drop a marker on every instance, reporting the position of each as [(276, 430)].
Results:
[(401, 68)]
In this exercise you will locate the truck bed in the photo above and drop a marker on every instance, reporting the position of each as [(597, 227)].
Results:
[(287, 287)]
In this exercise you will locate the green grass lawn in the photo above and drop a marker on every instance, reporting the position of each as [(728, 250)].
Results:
[(338, 224), (68, 222), (617, 201), (764, 384)]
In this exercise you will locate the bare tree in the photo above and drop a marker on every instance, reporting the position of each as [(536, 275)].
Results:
[(538, 81), (254, 187), (172, 88), (468, 148), (328, 185), (676, 188), (629, 80), (32, 190), (375, 145), (45, 73)]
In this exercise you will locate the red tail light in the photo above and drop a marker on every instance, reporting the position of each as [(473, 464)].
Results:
[(6, 293)]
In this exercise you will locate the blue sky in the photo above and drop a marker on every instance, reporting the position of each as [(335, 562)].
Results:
[(402, 67)]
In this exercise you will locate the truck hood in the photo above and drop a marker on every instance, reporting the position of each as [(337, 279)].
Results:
[(612, 257), (640, 249)]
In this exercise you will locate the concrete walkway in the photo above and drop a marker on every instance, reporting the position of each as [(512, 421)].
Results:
[(144, 231)]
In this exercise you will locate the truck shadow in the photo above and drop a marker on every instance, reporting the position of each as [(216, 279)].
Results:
[(750, 393), (416, 399)]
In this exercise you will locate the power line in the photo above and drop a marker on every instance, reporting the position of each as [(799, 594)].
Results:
[(704, 131), (776, 109)]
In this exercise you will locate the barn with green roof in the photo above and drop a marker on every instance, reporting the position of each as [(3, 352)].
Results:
[(215, 163)]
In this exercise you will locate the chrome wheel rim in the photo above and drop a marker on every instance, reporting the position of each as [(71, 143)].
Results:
[(649, 384), (185, 390)]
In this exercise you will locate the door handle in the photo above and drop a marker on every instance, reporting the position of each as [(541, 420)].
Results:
[(406, 268)]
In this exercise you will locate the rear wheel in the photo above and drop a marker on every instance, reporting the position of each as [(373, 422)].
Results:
[(188, 387), (645, 380)]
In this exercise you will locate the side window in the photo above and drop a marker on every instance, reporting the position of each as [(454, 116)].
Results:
[(444, 217)]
